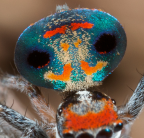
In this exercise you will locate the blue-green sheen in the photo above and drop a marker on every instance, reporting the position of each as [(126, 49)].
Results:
[(32, 39)]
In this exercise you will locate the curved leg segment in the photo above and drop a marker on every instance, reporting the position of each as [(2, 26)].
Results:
[(39, 103), (133, 107), (27, 128)]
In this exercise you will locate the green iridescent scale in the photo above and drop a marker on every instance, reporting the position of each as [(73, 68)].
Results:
[(70, 50)]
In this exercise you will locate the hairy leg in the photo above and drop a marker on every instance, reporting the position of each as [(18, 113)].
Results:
[(25, 127), (39, 103), (129, 112)]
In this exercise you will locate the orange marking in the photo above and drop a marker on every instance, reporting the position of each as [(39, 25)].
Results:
[(82, 25), (103, 52), (100, 10), (65, 46), (77, 43), (51, 33), (31, 24), (43, 66), (63, 77), (90, 120), (90, 70)]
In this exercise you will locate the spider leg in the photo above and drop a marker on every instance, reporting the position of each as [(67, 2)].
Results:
[(129, 112), (23, 125), (38, 102)]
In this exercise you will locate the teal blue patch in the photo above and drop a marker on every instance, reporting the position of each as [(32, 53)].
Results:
[(77, 77), (59, 85), (99, 75)]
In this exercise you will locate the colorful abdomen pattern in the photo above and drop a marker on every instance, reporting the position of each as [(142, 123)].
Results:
[(70, 50)]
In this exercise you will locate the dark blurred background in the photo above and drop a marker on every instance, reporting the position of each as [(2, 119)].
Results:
[(16, 15)]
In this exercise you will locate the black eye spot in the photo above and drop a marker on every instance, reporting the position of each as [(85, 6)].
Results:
[(118, 127), (114, 102), (105, 43), (59, 111), (98, 96), (106, 133), (38, 59), (68, 135), (85, 135)]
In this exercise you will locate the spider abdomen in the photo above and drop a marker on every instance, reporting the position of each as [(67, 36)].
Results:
[(70, 50)]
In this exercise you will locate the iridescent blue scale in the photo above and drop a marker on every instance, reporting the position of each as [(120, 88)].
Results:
[(54, 51)]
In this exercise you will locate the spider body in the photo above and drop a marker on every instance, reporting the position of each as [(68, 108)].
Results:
[(71, 51), (90, 114)]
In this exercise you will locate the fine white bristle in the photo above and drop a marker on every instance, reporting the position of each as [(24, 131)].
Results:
[(60, 8)]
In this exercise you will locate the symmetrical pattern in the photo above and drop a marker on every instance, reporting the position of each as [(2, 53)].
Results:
[(71, 51)]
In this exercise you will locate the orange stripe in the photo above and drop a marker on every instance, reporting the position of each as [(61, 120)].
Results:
[(90, 120), (51, 33), (103, 52), (63, 28), (85, 25), (63, 77), (90, 70), (43, 65)]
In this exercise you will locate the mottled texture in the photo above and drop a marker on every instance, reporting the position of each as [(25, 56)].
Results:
[(83, 46), (28, 128), (88, 111)]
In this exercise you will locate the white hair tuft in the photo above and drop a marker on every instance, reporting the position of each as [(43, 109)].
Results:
[(60, 8)]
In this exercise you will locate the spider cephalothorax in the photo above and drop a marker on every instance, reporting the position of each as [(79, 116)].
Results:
[(88, 114), (71, 51)]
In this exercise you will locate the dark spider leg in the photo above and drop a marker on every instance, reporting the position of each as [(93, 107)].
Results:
[(28, 127), (134, 106), (36, 98)]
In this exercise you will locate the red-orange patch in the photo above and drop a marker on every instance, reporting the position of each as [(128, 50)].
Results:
[(90, 120), (51, 33), (63, 77), (85, 25), (63, 28), (90, 70), (43, 65), (103, 52)]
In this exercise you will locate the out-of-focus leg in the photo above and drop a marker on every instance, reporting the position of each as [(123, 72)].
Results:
[(39, 103), (129, 112), (15, 125)]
